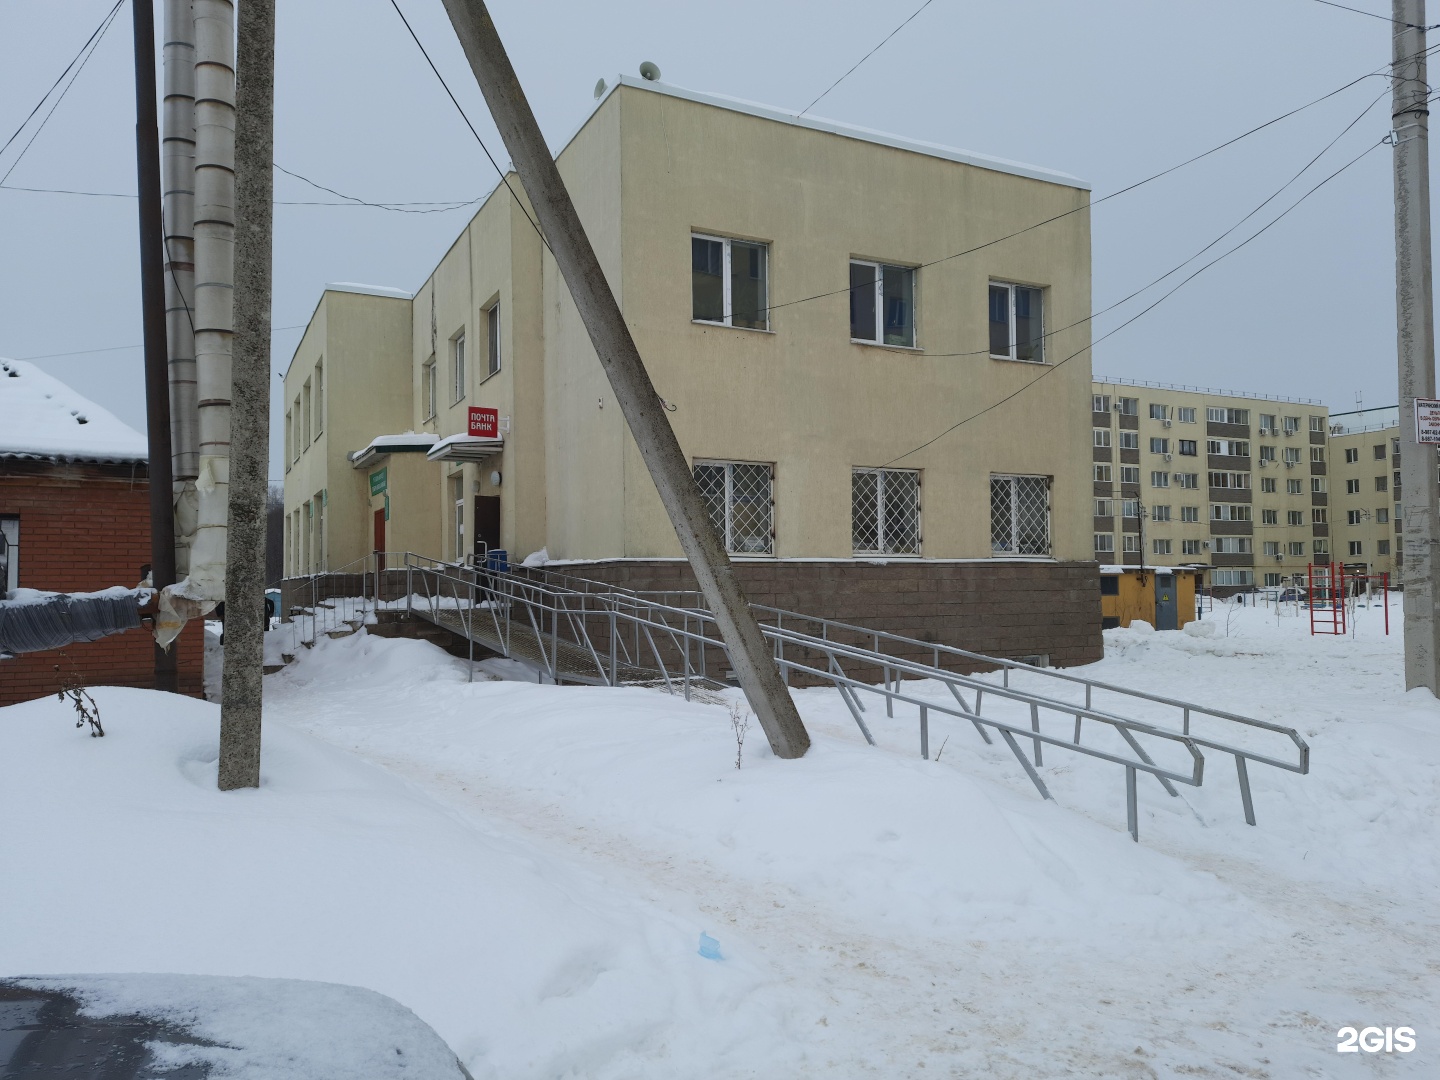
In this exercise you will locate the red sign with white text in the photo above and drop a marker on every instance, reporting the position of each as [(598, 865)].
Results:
[(484, 422)]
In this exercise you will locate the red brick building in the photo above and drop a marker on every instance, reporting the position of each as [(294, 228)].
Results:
[(75, 514)]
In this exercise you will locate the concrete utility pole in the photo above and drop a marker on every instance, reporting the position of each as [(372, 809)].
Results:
[(250, 398), (152, 304), (640, 404), (1415, 313)]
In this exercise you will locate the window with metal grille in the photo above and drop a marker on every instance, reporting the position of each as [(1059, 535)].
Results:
[(741, 499), (1020, 515), (885, 511)]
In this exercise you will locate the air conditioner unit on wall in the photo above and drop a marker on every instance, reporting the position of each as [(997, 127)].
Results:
[(1165, 422), (1290, 464), (1167, 456)]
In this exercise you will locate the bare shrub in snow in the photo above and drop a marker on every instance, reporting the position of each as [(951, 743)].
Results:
[(739, 724), (86, 709)]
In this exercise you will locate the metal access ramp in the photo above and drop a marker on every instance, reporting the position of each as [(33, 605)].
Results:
[(581, 631)]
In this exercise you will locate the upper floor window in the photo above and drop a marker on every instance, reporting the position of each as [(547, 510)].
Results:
[(1317, 423), (1267, 424), (1291, 424), (289, 437), (885, 511), (728, 282), (305, 399), (457, 368), (1100, 403), (319, 381), (882, 303), (1352, 454), (492, 337), (1016, 323), (429, 388), (741, 499), (1380, 451), (1127, 406), (1228, 416), (1186, 414)]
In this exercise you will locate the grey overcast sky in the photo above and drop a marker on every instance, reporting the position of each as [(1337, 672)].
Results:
[(1108, 90)]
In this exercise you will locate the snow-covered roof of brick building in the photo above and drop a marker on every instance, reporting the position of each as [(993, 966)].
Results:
[(41, 417)]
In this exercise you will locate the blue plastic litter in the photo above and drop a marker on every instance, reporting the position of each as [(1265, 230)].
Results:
[(709, 947), (498, 559)]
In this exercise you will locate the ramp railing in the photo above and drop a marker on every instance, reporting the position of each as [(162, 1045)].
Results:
[(577, 630)]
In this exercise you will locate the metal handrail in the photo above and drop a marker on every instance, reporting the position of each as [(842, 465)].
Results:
[(546, 598)]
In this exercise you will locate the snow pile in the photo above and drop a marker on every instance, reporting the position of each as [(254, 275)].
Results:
[(269, 1029), (530, 869), (44, 418)]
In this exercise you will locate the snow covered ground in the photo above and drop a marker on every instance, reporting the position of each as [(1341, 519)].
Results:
[(529, 868)]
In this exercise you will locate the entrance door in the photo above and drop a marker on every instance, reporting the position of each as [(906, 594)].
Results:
[(1166, 605), (380, 537), (487, 523)]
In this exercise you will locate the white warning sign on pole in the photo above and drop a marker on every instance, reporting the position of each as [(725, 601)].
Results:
[(1427, 421)]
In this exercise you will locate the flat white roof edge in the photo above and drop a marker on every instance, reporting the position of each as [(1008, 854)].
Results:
[(368, 290), (851, 131)]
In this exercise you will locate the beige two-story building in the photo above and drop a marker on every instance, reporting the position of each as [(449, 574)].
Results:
[(849, 360)]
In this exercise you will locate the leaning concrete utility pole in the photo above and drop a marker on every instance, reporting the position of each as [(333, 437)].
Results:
[(250, 398), (565, 236), (152, 306), (177, 164), (1415, 313)]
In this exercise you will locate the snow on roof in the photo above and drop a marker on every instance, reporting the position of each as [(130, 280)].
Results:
[(386, 444), (368, 290), (41, 417)]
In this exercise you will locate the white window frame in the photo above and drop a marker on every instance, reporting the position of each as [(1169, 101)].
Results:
[(1130, 543), (429, 388), (879, 338), (1099, 403), (1103, 473), (1352, 455), (1010, 287), (1104, 543), (727, 286), (1185, 414), (1160, 513), (1100, 436), (1161, 547), (1132, 471), (457, 368), (10, 566), (1190, 513), (492, 339), (1190, 547), (1159, 478), (319, 402)]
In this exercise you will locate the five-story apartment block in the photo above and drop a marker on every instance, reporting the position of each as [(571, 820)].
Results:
[(1236, 484)]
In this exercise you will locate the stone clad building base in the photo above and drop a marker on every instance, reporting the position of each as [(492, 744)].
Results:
[(1010, 609)]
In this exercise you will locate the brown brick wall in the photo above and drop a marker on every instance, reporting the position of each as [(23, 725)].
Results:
[(84, 528), (1004, 609)]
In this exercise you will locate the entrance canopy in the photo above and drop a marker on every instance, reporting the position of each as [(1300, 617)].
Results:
[(465, 448), (410, 442)]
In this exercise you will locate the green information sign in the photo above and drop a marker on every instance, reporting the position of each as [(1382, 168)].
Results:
[(379, 481)]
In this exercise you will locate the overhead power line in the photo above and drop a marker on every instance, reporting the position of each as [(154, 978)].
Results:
[(455, 101), (400, 207), (439, 207), (1375, 15), (1142, 312), (122, 348), (1122, 191), (73, 61), (867, 56), (1180, 266), (86, 51)]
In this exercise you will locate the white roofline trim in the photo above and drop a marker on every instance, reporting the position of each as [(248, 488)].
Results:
[(848, 131), (368, 290)]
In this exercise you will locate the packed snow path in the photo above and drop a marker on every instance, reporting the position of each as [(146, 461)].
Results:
[(531, 868)]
